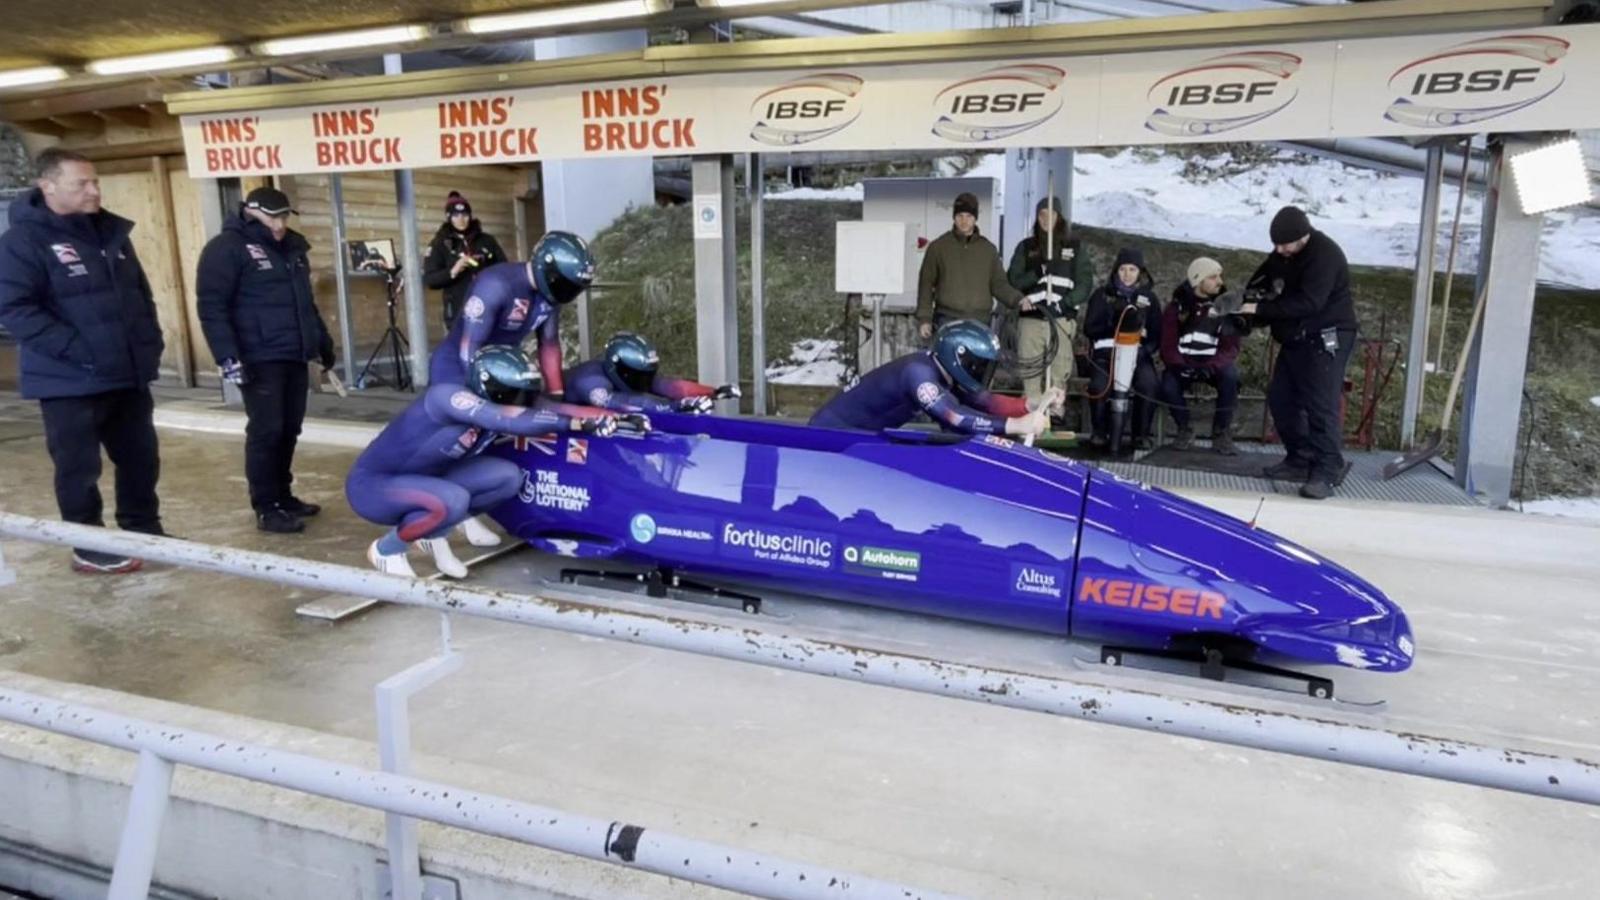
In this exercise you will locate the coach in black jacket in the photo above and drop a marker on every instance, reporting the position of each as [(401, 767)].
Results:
[(263, 326), (1303, 292), (74, 296)]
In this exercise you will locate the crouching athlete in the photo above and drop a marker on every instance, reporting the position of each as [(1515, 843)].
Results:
[(511, 299), (625, 378), (949, 382), (423, 473)]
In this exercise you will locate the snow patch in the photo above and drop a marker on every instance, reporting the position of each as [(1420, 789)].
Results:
[(810, 362), (850, 192), (1587, 508), (1594, 401)]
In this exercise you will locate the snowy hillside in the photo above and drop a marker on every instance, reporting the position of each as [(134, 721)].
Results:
[(1373, 215)]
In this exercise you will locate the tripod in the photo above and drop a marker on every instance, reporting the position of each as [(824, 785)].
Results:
[(399, 348)]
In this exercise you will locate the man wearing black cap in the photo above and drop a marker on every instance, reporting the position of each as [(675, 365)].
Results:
[(960, 273), (459, 251), (262, 323), (1049, 264), (1303, 292)]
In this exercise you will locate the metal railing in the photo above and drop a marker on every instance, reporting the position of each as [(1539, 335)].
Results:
[(1228, 722)]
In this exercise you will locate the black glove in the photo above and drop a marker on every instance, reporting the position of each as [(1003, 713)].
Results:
[(727, 392), (602, 426), (698, 405), (635, 422)]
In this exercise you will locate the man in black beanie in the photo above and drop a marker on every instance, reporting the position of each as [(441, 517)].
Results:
[(961, 273), (1302, 291)]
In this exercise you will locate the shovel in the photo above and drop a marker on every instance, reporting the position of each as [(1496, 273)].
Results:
[(1430, 447)]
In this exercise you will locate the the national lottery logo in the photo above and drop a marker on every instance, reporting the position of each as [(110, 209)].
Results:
[(465, 401), (1477, 80), (928, 393), (1222, 93), (66, 253), (806, 109), (474, 308), (998, 103)]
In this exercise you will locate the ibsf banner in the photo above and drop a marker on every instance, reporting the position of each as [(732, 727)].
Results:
[(1529, 80)]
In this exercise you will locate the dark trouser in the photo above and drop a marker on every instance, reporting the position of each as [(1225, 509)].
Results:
[(1225, 380), (1142, 408), (122, 421), (275, 402), (1304, 400)]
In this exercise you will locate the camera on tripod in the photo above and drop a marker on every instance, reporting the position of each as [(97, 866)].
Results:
[(377, 257)]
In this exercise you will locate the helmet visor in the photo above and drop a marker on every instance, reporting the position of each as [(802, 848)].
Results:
[(980, 369)]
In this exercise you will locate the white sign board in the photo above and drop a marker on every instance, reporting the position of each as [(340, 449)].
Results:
[(707, 217), (869, 257)]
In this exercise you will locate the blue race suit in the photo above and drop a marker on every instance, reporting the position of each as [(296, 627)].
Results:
[(423, 472), (890, 395), (588, 383), (502, 307)]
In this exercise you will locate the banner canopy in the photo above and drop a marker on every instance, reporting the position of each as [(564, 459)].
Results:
[(1529, 80)]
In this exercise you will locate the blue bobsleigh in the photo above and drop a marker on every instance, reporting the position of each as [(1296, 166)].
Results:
[(976, 528)]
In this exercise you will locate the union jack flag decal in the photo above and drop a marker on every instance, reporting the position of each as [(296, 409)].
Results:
[(544, 443)]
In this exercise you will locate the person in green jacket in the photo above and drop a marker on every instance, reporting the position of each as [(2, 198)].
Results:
[(961, 274), (1049, 262)]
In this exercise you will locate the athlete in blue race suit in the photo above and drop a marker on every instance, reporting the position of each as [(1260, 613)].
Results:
[(511, 299), (423, 473), (958, 368), (625, 378)]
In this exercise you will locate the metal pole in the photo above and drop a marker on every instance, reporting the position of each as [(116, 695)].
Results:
[(585, 342), (1422, 295), (554, 829), (341, 275), (394, 755), (410, 251), (730, 277), (141, 832), (1229, 722), (756, 185)]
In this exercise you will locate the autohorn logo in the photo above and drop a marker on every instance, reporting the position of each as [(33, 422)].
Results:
[(998, 103), (1477, 81), (806, 109), (1222, 93)]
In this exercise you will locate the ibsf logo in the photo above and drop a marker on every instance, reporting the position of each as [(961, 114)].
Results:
[(1477, 81), (1222, 93), (998, 103), (806, 109)]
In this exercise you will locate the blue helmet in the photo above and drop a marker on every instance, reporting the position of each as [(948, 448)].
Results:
[(503, 374), (562, 266), (630, 361), (968, 353)]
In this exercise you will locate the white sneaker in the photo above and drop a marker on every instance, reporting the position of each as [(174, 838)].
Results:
[(478, 534), (389, 563), (443, 557)]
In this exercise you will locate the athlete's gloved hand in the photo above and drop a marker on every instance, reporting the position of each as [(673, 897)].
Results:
[(696, 406), (1036, 422), (638, 423), (233, 371), (727, 392), (600, 426)]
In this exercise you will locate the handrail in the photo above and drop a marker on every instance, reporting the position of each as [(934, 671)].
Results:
[(1227, 722)]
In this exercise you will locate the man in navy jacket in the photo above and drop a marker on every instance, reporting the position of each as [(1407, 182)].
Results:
[(256, 308), (74, 296)]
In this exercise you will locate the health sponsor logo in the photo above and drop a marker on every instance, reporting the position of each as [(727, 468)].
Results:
[(564, 492), (882, 562), (786, 546), (1152, 598), (1222, 93), (643, 528), (1477, 80), (1037, 580), (806, 109), (672, 527), (998, 103)]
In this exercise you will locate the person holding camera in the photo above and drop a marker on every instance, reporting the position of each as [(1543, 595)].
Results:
[(459, 251), (1302, 291), (261, 322), (1199, 343)]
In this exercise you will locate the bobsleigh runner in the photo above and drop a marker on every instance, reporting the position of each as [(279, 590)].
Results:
[(972, 528)]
